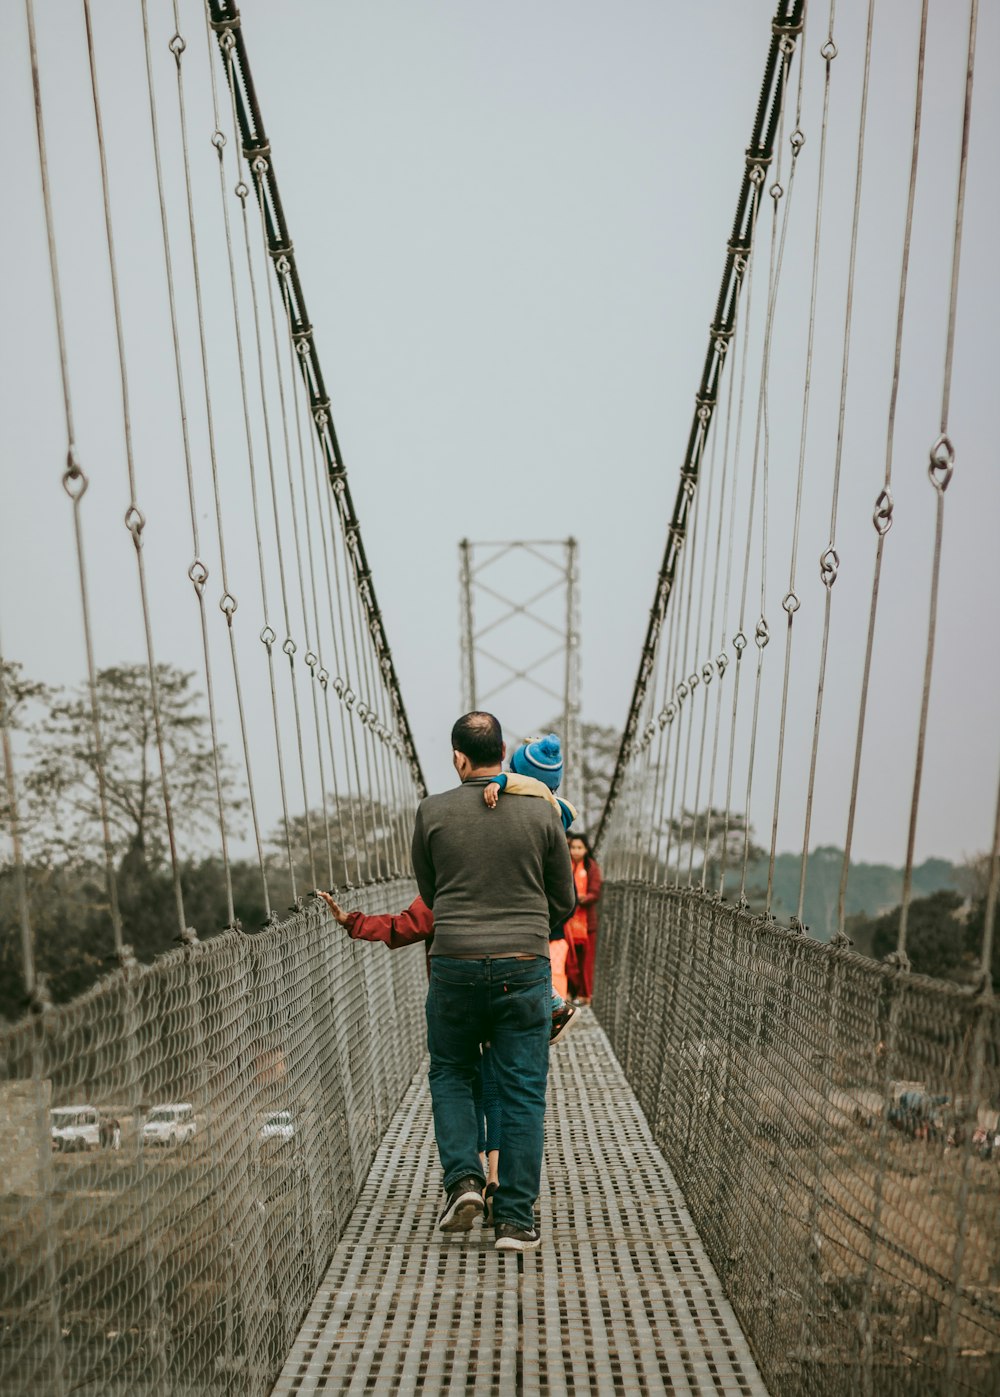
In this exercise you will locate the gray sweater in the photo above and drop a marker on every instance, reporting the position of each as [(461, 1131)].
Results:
[(495, 879)]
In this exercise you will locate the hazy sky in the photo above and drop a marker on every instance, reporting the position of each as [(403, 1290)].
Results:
[(510, 224)]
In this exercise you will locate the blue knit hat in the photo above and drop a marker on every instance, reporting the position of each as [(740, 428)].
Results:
[(541, 758)]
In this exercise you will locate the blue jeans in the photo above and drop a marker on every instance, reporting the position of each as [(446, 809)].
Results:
[(506, 1003)]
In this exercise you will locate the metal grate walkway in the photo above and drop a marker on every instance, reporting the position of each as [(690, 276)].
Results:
[(620, 1297)]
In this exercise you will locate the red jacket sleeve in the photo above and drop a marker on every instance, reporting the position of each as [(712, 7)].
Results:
[(405, 928)]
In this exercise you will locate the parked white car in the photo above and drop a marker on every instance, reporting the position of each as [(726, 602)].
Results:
[(172, 1124), (75, 1128), (279, 1125)]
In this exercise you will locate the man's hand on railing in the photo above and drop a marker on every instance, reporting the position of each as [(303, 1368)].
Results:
[(339, 914)]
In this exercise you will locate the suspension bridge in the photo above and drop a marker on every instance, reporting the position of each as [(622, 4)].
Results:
[(776, 1169)]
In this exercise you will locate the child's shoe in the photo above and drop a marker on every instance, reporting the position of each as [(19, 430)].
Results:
[(561, 1021), (488, 1193)]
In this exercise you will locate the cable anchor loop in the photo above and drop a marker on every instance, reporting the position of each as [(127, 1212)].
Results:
[(268, 636), (829, 566), (882, 514), (135, 522), (74, 481), (228, 605), (942, 463), (198, 573)]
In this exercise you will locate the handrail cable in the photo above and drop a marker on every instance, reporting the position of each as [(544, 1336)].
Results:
[(829, 562), (289, 647), (787, 20), (268, 635), (883, 511), (791, 602), (762, 632), (225, 18), (197, 571), (939, 471), (227, 602), (134, 519), (75, 483)]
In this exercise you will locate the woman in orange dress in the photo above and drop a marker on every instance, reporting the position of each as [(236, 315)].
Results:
[(581, 929)]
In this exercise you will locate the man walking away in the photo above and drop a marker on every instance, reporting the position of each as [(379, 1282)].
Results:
[(496, 879)]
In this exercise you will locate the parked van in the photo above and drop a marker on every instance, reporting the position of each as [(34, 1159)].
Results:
[(75, 1128), (172, 1124)]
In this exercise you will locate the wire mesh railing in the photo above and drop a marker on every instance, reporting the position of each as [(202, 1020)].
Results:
[(833, 1123), (182, 1146), (833, 1120)]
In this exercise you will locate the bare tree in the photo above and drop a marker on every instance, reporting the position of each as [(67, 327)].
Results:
[(62, 780)]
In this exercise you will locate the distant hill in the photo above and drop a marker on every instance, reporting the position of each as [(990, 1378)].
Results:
[(872, 888)]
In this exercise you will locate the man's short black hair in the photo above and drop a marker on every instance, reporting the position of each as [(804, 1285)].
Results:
[(478, 736)]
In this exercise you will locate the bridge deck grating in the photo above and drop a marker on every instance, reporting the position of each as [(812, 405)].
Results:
[(620, 1297)]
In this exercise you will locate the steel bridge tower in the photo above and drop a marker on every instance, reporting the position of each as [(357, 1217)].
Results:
[(512, 594)]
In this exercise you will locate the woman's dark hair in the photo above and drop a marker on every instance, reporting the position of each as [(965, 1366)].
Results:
[(588, 857), (478, 736)]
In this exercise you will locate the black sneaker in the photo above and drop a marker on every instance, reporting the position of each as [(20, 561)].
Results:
[(509, 1237), (464, 1205), (561, 1020), (488, 1193)]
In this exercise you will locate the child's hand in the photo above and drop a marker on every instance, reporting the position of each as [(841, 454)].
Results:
[(339, 915), (492, 794)]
